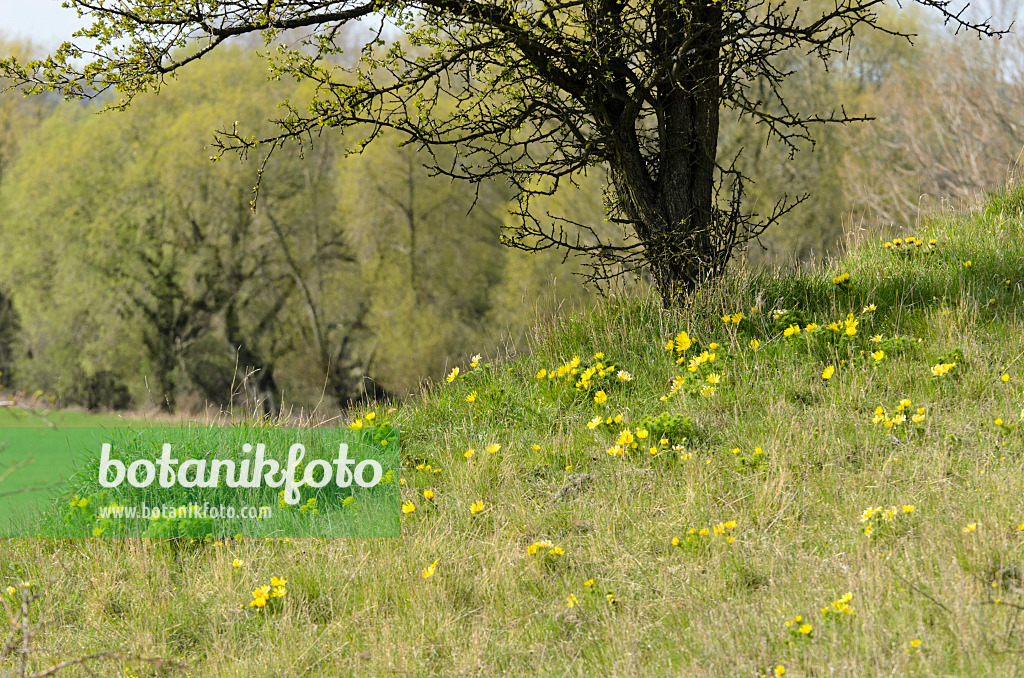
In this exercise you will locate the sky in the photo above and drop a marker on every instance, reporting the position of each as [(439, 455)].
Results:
[(45, 22)]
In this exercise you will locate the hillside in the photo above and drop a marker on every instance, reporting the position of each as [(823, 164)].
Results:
[(813, 474)]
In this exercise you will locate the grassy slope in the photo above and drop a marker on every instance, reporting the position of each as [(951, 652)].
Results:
[(706, 608)]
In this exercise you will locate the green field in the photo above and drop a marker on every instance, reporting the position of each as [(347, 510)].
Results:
[(842, 500), (33, 478)]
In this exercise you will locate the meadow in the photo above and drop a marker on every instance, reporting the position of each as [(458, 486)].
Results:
[(799, 473)]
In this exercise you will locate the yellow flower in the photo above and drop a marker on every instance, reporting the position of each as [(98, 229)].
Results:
[(908, 508), (476, 507), (542, 373), (493, 448), (278, 581), (532, 548), (237, 563), (806, 629), (878, 355), (356, 425), (572, 601), (471, 398), (780, 670), (754, 344), (468, 454), (451, 375), (714, 378), (675, 541), (371, 416), (642, 433), (557, 551), (588, 583), (827, 373), (791, 331), (594, 423), (967, 264), (11, 590), (869, 308), (428, 571), (1005, 377), (598, 355), (428, 494), (971, 527), (915, 643), (600, 397), (942, 369), (682, 342), (408, 507), (707, 391)]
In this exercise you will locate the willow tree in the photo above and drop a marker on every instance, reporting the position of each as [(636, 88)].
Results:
[(531, 91)]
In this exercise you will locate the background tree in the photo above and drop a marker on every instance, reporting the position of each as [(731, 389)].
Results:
[(541, 90)]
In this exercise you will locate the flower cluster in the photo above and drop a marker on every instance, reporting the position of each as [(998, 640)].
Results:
[(696, 537), (700, 383), (908, 243), (840, 607), (842, 280), (552, 550), (942, 369), (368, 417), (877, 521), (847, 326), (798, 628), (264, 594), (734, 319), (899, 417)]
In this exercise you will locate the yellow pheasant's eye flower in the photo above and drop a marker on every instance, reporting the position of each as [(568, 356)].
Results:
[(476, 507), (428, 571), (754, 344), (408, 507), (471, 398), (451, 375), (237, 563), (600, 397), (827, 373)]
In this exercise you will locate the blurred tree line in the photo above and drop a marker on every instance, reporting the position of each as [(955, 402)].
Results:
[(133, 270)]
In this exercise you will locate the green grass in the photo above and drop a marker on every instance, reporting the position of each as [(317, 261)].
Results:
[(702, 607), (31, 479)]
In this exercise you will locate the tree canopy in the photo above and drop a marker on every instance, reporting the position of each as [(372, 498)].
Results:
[(536, 93)]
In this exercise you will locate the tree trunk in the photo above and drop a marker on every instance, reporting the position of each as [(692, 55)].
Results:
[(675, 210)]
